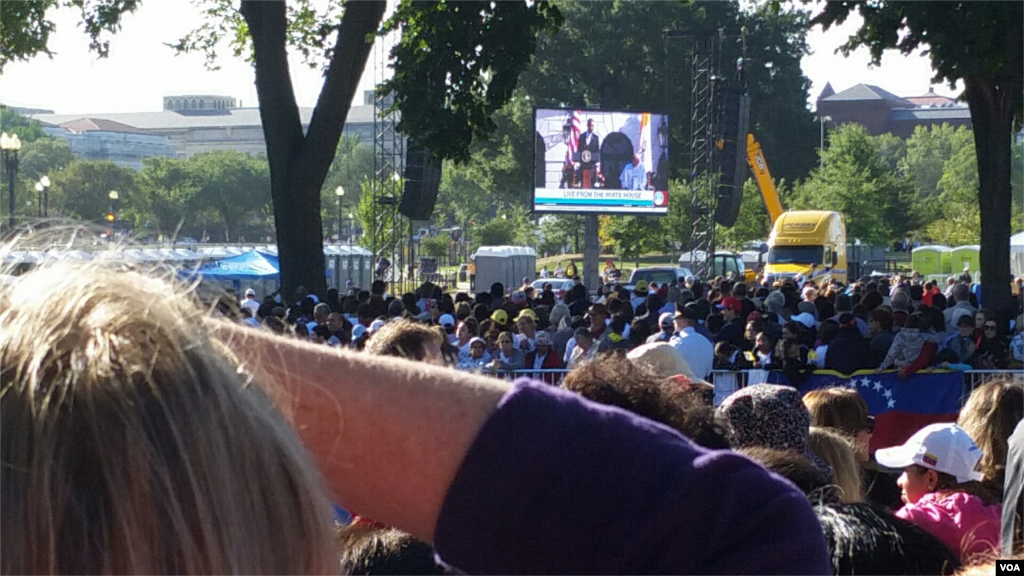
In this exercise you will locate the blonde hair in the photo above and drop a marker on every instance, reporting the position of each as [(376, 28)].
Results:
[(989, 417), (838, 452), (132, 443)]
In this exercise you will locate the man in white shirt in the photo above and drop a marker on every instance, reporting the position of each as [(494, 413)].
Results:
[(633, 176), (250, 301), (697, 350)]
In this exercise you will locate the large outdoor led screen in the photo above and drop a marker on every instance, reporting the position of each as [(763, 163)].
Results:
[(599, 161)]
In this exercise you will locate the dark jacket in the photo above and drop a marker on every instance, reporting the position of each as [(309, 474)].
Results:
[(551, 362), (849, 352), (732, 333), (880, 344)]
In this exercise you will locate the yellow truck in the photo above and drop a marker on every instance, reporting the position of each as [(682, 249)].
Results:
[(804, 245), (807, 245)]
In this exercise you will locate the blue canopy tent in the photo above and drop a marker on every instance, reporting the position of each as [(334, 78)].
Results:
[(251, 265), (255, 269)]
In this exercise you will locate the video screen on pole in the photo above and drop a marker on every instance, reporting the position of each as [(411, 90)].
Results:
[(599, 161)]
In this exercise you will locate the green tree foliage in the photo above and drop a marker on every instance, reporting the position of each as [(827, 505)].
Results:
[(461, 200), (457, 63), (857, 180), (82, 190), (928, 149), (779, 117), (959, 221), (365, 211), (495, 232), (632, 236), (14, 123), (353, 163), (43, 156), (236, 186), (444, 88), (169, 188), (513, 226), (982, 45), (561, 232), (675, 226), (610, 54), (436, 246)]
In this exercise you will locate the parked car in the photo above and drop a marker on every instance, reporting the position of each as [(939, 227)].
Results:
[(558, 285), (659, 274)]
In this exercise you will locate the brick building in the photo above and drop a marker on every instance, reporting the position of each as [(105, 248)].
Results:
[(880, 111)]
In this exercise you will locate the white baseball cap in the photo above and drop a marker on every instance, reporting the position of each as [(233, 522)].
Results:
[(446, 320), (940, 447), (250, 292), (805, 319)]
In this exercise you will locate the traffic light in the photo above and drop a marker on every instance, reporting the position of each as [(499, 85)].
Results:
[(109, 217)]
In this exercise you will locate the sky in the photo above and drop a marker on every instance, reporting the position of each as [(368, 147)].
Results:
[(141, 69)]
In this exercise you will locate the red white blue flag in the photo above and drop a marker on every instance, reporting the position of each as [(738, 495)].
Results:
[(900, 406)]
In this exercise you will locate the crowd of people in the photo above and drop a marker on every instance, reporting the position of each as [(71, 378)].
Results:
[(902, 324), (146, 429), (683, 331)]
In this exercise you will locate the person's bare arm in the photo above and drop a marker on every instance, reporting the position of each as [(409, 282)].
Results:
[(387, 434)]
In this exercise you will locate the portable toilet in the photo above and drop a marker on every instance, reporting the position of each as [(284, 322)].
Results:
[(930, 260), (505, 264), (350, 263), (961, 255)]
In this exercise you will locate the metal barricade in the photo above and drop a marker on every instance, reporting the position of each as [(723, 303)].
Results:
[(728, 381), (555, 377)]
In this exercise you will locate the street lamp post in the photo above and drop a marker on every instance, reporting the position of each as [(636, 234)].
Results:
[(340, 193), (43, 193), (39, 199), (821, 142), (351, 227), (112, 215), (10, 146), (45, 181)]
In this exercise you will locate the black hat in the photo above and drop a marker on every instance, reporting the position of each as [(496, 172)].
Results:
[(687, 312)]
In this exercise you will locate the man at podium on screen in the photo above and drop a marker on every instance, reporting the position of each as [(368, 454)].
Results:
[(589, 147)]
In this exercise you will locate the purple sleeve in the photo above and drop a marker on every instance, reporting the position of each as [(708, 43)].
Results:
[(557, 484)]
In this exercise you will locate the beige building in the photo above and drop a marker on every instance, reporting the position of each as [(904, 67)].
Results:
[(201, 123)]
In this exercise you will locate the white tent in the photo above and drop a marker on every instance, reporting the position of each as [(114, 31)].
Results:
[(1017, 254)]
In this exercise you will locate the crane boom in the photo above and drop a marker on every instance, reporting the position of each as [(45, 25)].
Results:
[(759, 166)]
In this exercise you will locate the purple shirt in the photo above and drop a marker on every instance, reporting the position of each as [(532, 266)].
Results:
[(560, 485)]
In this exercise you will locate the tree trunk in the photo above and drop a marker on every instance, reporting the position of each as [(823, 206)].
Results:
[(992, 112), (299, 164)]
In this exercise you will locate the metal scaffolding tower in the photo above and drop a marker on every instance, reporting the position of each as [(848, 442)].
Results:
[(705, 60), (388, 232)]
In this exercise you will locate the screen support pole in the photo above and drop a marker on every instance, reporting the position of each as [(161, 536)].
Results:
[(591, 253)]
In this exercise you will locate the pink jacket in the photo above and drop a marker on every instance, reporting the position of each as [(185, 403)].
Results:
[(960, 521)]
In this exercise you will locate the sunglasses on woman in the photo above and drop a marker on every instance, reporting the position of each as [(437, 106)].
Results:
[(991, 327)]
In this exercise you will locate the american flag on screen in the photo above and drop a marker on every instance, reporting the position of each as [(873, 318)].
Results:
[(571, 150)]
